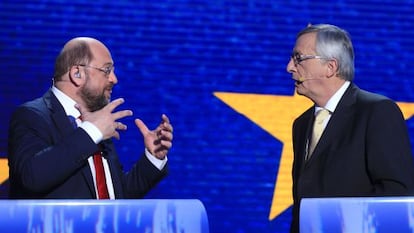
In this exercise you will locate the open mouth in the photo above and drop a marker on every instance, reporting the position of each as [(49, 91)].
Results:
[(297, 81), (108, 93)]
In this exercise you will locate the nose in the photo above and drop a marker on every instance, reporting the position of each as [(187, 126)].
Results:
[(290, 67), (112, 78)]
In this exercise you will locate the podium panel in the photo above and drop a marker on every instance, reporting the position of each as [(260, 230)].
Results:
[(357, 215), (64, 216)]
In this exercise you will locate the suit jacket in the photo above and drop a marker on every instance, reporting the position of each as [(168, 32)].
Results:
[(364, 151), (48, 157)]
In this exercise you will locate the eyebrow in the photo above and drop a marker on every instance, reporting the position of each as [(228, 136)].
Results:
[(108, 64)]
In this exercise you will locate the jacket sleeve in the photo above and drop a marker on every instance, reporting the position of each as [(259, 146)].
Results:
[(40, 157), (389, 157)]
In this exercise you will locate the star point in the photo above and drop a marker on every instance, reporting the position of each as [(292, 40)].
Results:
[(4, 170), (274, 114)]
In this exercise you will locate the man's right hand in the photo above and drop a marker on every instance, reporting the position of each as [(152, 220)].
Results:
[(105, 119)]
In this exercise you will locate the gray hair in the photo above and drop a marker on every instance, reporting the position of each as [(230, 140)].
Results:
[(333, 42)]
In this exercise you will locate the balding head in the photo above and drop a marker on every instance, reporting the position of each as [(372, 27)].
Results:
[(76, 51)]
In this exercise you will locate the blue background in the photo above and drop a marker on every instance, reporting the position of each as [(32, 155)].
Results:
[(170, 57)]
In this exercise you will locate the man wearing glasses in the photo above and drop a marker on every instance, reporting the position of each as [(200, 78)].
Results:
[(361, 146), (60, 145)]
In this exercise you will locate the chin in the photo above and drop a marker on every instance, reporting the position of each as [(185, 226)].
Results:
[(298, 92)]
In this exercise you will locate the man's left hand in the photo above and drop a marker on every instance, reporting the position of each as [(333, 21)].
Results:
[(158, 141)]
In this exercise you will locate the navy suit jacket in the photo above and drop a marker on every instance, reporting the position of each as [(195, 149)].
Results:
[(48, 157), (364, 151)]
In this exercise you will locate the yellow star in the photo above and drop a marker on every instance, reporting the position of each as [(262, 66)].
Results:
[(275, 114), (4, 170)]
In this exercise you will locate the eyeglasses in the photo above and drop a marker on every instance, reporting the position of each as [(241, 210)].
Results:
[(106, 70), (298, 58)]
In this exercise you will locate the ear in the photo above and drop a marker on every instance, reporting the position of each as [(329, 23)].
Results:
[(75, 75), (332, 68)]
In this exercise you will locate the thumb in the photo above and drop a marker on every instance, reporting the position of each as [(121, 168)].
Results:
[(141, 126)]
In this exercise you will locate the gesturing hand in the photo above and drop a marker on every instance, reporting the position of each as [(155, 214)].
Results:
[(105, 119), (158, 141)]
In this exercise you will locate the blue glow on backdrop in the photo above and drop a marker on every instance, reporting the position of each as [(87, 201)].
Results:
[(173, 56)]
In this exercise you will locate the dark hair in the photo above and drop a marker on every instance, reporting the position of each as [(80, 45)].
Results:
[(78, 53)]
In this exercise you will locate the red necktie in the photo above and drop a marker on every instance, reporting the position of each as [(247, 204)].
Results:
[(99, 169), (100, 176)]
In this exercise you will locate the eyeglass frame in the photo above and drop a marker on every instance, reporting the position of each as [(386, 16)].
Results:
[(107, 70), (298, 58)]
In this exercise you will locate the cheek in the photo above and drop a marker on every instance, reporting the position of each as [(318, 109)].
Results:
[(97, 88), (97, 85), (302, 72)]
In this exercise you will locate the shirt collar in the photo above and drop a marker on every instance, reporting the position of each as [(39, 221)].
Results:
[(334, 100), (67, 102)]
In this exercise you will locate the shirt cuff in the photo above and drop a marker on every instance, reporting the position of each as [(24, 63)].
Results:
[(92, 131), (158, 163)]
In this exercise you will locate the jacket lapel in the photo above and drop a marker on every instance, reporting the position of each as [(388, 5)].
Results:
[(109, 153), (301, 140), (64, 126), (58, 115), (339, 121)]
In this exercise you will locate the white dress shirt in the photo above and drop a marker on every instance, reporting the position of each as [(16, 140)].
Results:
[(330, 106), (333, 101), (96, 135)]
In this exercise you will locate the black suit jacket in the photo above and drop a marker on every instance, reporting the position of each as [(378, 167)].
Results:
[(364, 151), (48, 157)]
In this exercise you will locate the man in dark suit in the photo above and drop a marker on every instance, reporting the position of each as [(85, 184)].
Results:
[(364, 149), (52, 138)]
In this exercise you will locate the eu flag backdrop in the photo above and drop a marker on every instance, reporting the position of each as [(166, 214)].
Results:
[(218, 70)]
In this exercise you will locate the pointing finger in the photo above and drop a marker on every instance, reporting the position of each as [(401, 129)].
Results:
[(165, 118), (115, 103), (142, 127)]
